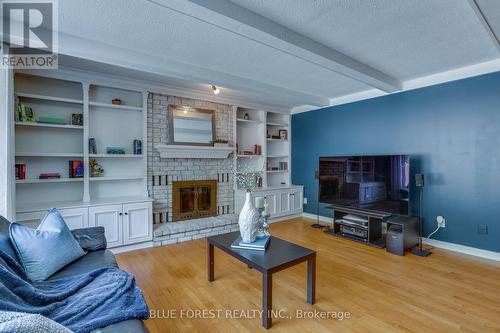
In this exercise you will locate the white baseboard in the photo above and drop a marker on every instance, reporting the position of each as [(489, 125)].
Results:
[(133, 247), (314, 217), (472, 251), (283, 218)]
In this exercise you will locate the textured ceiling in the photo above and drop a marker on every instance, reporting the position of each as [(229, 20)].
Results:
[(405, 39)]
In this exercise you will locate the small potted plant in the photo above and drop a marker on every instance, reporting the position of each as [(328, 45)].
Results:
[(221, 143)]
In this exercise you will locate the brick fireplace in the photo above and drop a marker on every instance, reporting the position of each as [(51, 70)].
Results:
[(164, 173)]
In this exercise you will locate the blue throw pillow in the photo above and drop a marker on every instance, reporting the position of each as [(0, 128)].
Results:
[(46, 249)]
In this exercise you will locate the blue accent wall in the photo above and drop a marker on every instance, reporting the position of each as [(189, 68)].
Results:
[(451, 131)]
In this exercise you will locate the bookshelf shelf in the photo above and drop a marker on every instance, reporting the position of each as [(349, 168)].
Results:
[(276, 124), (277, 171), (116, 106), (48, 98), (276, 140), (277, 156), (248, 121), (32, 154), (33, 124), (42, 181), (249, 156), (96, 179), (115, 156)]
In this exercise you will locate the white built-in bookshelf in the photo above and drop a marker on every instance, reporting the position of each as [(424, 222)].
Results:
[(48, 147), (258, 127)]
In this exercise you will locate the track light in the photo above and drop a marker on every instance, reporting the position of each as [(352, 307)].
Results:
[(215, 90)]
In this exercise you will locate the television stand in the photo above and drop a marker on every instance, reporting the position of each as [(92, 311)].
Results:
[(368, 230)]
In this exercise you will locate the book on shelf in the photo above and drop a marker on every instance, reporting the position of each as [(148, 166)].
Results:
[(20, 171), (49, 175), (260, 244), (75, 169)]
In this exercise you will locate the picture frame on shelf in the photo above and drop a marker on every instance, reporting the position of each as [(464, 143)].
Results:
[(77, 119), (283, 134)]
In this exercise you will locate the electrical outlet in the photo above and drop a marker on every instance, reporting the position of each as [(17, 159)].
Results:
[(482, 229), (441, 221), (305, 201)]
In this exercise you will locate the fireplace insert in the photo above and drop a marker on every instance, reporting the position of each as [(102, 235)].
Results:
[(194, 199)]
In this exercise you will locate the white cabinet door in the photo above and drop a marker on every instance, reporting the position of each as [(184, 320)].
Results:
[(137, 226), (76, 218), (109, 217), (271, 199), (284, 202), (296, 201)]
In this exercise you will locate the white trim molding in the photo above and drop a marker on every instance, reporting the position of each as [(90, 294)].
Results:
[(421, 82), (325, 219), (472, 251), (133, 247), (182, 151)]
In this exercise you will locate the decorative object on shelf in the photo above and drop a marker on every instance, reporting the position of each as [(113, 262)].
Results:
[(49, 175), (283, 134), (96, 169), (20, 171), (221, 143), (257, 149), (92, 146), (75, 169), (24, 113), (116, 101), (77, 119), (248, 152), (115, 150), (246, 116), (137, 147), (52, 120)]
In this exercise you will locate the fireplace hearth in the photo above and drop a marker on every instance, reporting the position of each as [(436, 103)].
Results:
[(193, 199)]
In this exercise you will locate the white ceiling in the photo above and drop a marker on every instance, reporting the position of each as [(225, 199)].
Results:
[(286, 53)]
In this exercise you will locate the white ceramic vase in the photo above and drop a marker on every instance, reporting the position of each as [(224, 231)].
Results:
[(248, 220)]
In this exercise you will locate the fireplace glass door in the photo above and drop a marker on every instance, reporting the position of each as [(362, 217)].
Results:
[(194, 199)]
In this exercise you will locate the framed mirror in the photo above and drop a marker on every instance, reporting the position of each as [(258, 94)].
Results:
[(191, 126)]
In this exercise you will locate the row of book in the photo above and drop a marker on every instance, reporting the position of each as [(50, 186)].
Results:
[(75, 170), (281, 166), (20, 171)]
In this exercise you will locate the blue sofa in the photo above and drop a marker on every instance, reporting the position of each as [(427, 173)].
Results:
[(89, 238)]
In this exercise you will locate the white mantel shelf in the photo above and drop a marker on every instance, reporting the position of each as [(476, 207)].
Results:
[(183, 151)]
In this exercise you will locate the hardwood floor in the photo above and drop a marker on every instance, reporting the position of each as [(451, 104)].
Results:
[(446, 292)]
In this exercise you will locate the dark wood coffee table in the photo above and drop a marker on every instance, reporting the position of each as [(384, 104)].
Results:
[(279, 255)]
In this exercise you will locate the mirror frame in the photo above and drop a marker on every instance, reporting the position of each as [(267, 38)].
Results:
[(172, 108)]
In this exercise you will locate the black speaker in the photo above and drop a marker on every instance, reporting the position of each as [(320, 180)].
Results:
[(419, 179), (395, 241)]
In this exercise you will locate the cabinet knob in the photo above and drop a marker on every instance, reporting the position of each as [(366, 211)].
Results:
[(126, 213), (120, 214)]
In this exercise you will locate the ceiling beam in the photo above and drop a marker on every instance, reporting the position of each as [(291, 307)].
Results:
[(236, 19), (161, 65), (484, 22)]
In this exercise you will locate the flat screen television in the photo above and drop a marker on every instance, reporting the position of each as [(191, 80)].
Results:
[(374, 182)]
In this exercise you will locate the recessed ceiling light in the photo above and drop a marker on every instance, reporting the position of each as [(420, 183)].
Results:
[(215, 90)]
